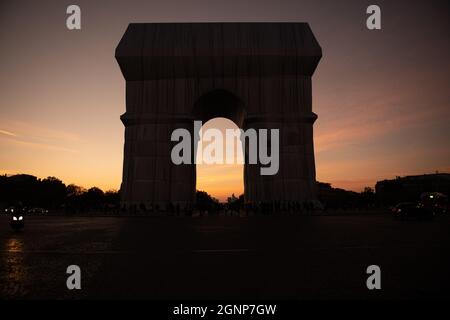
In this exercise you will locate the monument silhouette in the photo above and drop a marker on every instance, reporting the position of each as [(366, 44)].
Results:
[(256, 74)]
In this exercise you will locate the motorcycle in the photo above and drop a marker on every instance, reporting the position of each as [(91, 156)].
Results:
[(17, 220)]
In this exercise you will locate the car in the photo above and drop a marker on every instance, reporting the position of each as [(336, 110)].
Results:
[(436, 201), (9, 210), (411, 210), (38, 210)]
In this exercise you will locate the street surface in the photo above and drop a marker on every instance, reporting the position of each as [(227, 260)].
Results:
[(304, 257)]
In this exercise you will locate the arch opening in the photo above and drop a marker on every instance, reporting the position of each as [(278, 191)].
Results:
[(222, 174), (219, 103), (220, 180)]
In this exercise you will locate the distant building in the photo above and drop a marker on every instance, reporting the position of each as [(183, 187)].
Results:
[(410, 188), (336, 198)]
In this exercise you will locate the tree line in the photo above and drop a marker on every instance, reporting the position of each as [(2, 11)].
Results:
[(51, 193)]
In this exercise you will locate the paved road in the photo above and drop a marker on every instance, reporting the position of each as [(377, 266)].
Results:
[(322, 257)]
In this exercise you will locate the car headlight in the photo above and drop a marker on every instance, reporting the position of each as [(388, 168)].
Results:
[(20, 218), (15, 218)]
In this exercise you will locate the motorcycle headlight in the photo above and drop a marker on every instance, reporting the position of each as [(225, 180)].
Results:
[(15, 218), (20, 218)]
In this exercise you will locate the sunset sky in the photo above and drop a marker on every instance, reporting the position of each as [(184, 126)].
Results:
[(382, 97)]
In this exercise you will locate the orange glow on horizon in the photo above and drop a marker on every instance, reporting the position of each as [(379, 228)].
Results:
[(220, 180)]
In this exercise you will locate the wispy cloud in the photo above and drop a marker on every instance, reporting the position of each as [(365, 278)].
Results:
[(39, 132), (31, 135), (7, 133), (44, 146), (375, 119)]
